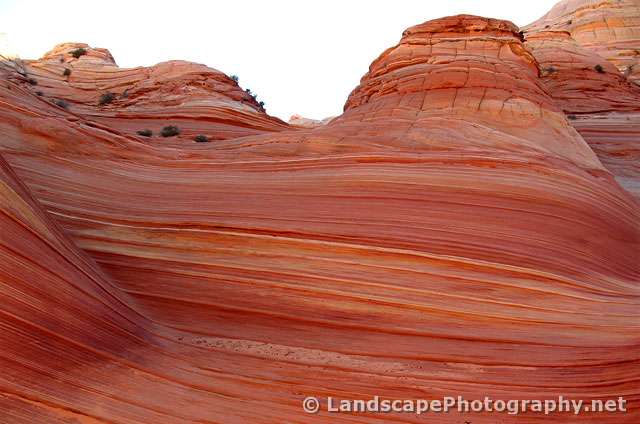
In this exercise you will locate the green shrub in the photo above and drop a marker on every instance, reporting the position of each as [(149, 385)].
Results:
[(572, 117), (38, 93), (32, 81), (61, 103), (235, 78), (201, 138), (170, 131), (106, 98), (78, 52), (254, 96), (66, 72), (599, 68), (145, 133)]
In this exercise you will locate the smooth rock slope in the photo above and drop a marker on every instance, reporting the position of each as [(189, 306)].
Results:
[(451, 233)]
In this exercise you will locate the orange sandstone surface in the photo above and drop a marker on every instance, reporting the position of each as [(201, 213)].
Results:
[(451, 233), (589, 52), (609, 28)]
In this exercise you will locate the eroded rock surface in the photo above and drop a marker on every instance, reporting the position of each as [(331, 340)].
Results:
[(588, 53), (193, 97), (450, 234), (609, 28)]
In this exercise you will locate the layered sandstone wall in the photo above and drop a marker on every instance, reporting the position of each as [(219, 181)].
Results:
[(450, 233), (193, 97), (609, 28), (588, 53)]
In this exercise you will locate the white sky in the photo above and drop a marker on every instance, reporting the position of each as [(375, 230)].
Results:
[(300, 56)]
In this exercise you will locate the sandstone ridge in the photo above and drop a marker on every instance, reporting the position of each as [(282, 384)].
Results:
[(467, 226)]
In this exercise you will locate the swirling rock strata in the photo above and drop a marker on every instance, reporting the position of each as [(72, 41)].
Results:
[(450, 234), (193, 97), (609, 28), (579, 80), (588, 54)]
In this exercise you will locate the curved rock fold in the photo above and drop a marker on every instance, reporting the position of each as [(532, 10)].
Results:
[(453, 232)]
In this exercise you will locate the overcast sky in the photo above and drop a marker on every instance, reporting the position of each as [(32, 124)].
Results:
[(299, 56)]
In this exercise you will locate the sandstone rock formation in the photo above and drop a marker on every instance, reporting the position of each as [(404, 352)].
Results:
[(197, 99), (610, 28), (571, 43), (450, 234), (301, 121)]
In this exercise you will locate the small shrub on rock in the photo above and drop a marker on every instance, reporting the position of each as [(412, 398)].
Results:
[(38, 93), (32, 81), (170, 131), (201, 139), (78, 52), (572, 117), (145, 133), (235, 78), (254, 96), (599, 68), (61, 103), (66, 72), (106, 98)]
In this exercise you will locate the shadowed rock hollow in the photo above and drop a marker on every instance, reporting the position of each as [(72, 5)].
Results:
[(451, 233)]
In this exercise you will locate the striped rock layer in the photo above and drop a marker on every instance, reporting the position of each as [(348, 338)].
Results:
[(451, 233), (609, 28), (589, 52)]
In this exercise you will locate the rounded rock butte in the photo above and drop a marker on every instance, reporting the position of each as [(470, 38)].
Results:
[(451, 233)]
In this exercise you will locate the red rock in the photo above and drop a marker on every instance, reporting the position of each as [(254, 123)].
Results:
[(579, 80), (197, 99), (578, 45), (609, 28), (450, 234)]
